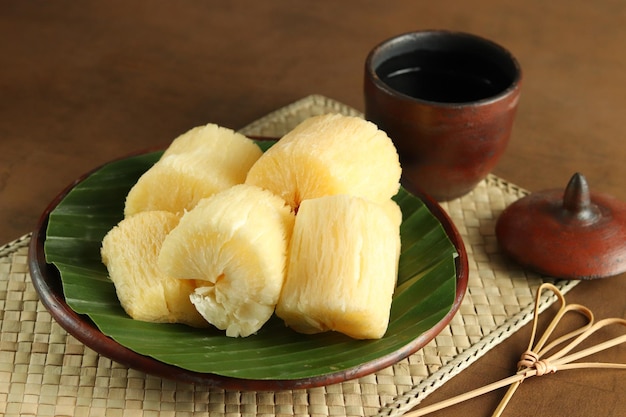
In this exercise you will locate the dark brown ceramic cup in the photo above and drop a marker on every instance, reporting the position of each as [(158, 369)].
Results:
[(447, 100)]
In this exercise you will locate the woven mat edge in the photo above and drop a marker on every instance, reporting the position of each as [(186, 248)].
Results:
[(10, 247), (417, 394)]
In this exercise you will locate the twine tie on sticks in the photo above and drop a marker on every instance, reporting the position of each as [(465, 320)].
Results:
[(533, 362)]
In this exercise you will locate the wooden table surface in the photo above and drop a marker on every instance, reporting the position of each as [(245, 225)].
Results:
[(84, 82)]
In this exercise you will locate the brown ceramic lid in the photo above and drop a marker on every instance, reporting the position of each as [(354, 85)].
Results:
[(573, 234)]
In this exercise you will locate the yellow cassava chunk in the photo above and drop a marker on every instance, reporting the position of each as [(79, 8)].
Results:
[(130, 252)]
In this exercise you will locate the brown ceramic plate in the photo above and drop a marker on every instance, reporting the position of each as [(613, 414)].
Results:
[(274, 359)]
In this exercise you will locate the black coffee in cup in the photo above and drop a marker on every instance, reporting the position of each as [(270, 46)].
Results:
[(444, 67), (445, 77)]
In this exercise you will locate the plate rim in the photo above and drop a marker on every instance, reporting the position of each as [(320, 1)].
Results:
[(47, 282)]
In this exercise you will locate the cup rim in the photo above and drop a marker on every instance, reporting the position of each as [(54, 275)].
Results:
[(371, 73)]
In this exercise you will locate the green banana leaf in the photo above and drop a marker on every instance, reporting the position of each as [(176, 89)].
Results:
[(425, 293)]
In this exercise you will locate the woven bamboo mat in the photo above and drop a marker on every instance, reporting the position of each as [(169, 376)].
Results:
[(46, 372)]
